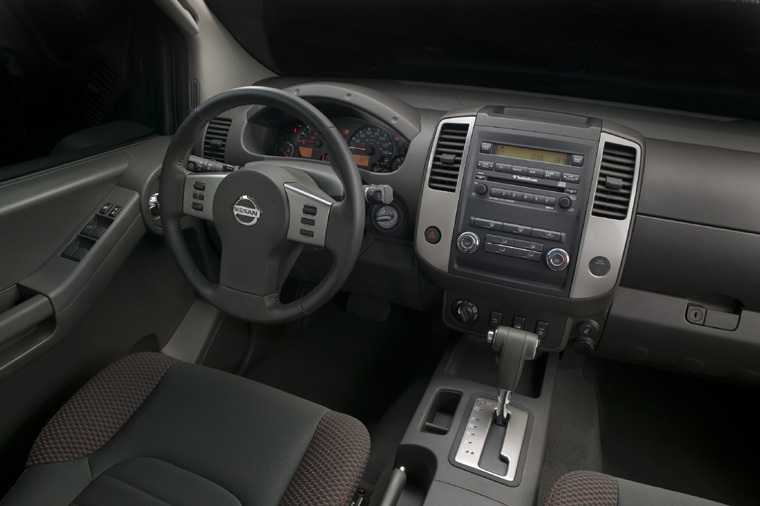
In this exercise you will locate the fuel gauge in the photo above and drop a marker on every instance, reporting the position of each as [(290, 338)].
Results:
[(285, 147)]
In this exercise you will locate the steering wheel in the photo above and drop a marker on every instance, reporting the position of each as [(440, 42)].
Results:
[(265, 214)]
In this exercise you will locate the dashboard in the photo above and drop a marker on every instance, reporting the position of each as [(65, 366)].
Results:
[(546, 214)]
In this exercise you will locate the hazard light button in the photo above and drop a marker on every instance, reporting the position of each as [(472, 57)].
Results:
[(432, 235)]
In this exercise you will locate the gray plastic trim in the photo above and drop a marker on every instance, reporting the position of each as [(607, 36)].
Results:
[(24, 316), (298, 197), (212, 182), (194, 335), (439, 208), (602, 236)]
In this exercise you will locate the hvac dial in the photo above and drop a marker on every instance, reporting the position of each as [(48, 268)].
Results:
[(372, 149)]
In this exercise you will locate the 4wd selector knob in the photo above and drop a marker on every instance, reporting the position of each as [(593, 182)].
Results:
[(468, 242), (557, 259), (465, 312)]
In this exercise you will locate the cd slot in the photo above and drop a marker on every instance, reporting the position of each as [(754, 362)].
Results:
[(528, 182)]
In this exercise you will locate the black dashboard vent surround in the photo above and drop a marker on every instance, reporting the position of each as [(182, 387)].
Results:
[(615, 185), (215, 141), (447, 157)]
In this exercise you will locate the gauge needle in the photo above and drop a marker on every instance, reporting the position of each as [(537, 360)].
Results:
[(286, 154), (306, 142), (356, 147)]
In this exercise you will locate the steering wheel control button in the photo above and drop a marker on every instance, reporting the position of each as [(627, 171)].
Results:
[(576, 160), (106, 207), (307, 233), (199, 186), (307, 221), (432, 235), (310, 210), (468, 242), (588, 328), (565, 202), (465, 312), (599, 266), (197, 207), (557, 259), (695, 314)]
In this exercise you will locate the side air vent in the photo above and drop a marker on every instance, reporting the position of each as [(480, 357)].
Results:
[(447, 157), (215, 141), (613, 190)]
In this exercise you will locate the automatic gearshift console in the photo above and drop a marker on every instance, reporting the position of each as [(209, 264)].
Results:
[(493, 439)]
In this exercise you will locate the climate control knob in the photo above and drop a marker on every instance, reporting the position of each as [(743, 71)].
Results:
[(468, 242), (557, 259)]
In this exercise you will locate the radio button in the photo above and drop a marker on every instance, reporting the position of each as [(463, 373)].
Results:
[(527, 197), (528, 245), (485, 147), (571, 191), (553, 175), (498, 239), (550, 201), (535, 172), (498, 192), (547, 234), (527, 255), (519, 169), (503, 167), (487, 224), (514, 195), (569, 177), (515, 229), (539, 199), (576, 160), (485, 165), (499, 249)]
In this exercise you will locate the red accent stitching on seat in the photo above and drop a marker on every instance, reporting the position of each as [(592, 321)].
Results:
[(99, 409)]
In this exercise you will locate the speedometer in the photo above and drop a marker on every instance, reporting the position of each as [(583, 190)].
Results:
[(372, 149)]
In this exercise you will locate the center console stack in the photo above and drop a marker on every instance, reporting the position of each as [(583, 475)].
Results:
[(524, 221)]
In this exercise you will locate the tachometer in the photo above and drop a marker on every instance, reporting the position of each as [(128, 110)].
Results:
[(372, 149)]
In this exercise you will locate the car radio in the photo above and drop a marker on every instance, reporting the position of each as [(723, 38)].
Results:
[(522, 206)]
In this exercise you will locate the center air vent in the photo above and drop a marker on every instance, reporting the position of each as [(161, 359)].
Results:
[(215, 141), (447, 157), (614, 187)]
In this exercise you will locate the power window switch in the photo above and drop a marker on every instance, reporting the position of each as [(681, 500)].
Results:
[(69, 251), (518, 322), (98, 232), (106, 207), (115, 211), (79, 254), (87, 230)]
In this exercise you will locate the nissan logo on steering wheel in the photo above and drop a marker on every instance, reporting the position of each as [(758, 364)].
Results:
[(246, 211)]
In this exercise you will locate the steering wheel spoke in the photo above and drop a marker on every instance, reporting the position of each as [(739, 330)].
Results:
[(199, 191)]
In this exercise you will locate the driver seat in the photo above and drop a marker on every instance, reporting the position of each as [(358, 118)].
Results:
[(149, 430)]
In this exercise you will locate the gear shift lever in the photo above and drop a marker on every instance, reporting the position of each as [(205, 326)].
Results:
[(513, 347)]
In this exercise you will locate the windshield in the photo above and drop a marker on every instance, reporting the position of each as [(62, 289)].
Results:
[(700, 56)]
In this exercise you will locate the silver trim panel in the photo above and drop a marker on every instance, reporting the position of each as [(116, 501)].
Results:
[(602, 236), (298, 197), (473, 440), (439, 208), (212, 182)]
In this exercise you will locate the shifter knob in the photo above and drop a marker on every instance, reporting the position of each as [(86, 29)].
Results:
[(513, 347)]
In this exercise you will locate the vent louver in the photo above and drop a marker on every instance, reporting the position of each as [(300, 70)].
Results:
[(614, 187), (215, 141), (447, 157)]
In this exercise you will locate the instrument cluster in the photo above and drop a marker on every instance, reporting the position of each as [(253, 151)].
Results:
[(374, 148)]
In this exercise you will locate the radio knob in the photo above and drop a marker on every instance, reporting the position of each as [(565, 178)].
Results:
[(557, 259), (481, 189), (468, 242), (565, 203)]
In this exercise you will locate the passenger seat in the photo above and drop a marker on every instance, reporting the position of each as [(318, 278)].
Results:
[(587, 488)]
